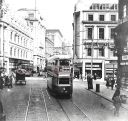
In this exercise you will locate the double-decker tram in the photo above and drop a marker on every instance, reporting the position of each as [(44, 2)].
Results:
[(59, 75)]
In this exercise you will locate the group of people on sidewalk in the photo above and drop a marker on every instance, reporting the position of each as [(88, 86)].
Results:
[(110, 82), (6, 80), (90, 80), (117, 101)]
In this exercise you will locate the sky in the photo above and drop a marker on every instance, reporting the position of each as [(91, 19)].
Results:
[(58, 14)]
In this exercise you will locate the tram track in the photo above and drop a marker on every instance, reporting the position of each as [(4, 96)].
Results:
[(37, 108), (77, 113), (42, 106), (69, 113), (81, 111), (66, 115), (27, 106)]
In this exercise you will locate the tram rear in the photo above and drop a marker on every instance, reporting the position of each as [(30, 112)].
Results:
[(59, 75)]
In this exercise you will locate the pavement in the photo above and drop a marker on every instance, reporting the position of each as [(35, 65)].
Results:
[(104, 92)]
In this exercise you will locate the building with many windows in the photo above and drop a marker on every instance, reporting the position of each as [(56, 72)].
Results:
[(22, 39), (56, 37), (49, 46), (93, 44), (16, 42), (35, 21)]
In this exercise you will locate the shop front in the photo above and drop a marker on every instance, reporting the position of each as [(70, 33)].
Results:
[(96, 69), (14, 63), (111, 70)]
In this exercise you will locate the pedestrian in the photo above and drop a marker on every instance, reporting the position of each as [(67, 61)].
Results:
[(11, 80), (116, 102), (89, 81), (112, 82), (95, 76), (13, 76), (107, 81), (7, 81)]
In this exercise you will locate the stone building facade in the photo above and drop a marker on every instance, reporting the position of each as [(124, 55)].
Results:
[(93, 44)]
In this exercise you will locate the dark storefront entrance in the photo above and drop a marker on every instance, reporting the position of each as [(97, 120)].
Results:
[(96, 69)]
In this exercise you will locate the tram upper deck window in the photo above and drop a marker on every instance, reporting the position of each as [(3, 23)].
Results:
[(64, 62)]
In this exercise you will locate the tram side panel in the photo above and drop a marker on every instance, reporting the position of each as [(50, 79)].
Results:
[(51, 82)]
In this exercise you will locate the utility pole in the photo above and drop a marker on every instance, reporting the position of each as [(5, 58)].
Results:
[(92, 51)]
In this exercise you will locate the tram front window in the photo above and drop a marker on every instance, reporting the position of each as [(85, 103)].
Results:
[(64, 62), (63, 81)]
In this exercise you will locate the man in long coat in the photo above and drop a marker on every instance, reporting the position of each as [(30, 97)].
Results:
[(90, 82)]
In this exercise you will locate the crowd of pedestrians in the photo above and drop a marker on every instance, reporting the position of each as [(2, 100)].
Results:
[(6, 80), (110, 82)]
